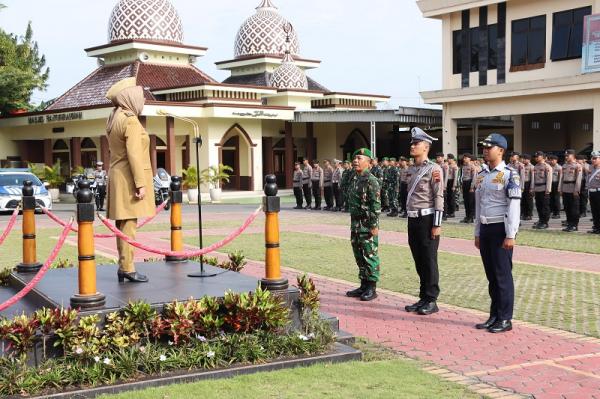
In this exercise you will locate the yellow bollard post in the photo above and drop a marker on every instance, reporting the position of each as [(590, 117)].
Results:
[(88, 296), (272, 205), (30, 263), (176, 199)]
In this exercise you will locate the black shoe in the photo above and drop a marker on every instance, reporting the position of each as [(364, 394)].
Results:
[(570, 229), (555, 216), (393, 214), (451, 216), (465, 220), (542, 226), (370, 293), (484, 326), (359, 291), (297, 207), (307, 207), (536, 225), (133, 277), (500, 326), (415, 306), (428, 308)]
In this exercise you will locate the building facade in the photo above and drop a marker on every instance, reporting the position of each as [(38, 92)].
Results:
[(519, 61)]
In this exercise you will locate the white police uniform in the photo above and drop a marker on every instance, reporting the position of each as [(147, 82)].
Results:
[(497, 217)]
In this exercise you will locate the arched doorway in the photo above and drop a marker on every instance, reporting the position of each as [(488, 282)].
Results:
[(279, 161), (62, 154), (89, 153), (236, 150), (355, 140)]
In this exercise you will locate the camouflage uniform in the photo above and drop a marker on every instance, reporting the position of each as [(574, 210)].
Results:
[(345, 186), (393, 177), (385, 204), (364, 201)]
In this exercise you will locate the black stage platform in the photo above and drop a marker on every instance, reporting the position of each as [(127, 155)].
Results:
[(168, 281)]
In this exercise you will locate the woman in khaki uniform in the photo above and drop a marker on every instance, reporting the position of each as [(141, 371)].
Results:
[(130, 173)]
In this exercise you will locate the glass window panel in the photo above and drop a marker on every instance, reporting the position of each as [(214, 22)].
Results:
[(538, 23), (520, 26), (492, 46), (564, 18), (456, 48), (576, 39), (519, 49), (474, 49), (560, 42), (536, 47)]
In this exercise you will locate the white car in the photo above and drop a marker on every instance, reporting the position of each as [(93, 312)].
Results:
[(11, 184)]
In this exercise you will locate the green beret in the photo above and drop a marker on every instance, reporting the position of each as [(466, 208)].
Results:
[(363, 151), (386, 159), (393, 159)]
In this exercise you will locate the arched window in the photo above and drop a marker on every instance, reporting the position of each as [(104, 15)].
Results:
[(60, 145), (88, 144)]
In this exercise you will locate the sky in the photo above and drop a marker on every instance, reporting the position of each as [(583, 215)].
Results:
[(366, 46)]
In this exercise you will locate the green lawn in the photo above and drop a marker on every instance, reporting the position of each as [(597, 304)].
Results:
[(383, 374), (562, 299)]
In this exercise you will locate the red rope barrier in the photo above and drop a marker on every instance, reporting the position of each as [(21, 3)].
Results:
[(55, 218), (182, 254), (11, 224), (40, 274)]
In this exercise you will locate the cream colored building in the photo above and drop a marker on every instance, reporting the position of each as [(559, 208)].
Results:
[(266, 115), (522, 62)]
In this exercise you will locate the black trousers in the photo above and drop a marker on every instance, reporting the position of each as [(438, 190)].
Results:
[(307, 194), (328, 192), (298, 195), (527, 201), (450, 198), (542, 204), (403, 196), (100, 197), (337, 194), (497, 262), (425, 254), (595, 205), (583, 198), (469, 199), (571, 209), (555, 199), (316, 192)]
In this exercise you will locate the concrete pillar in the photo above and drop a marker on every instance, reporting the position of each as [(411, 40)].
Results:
[(153, 152), (76, 153), (518, 133), (310, 142), (104, 152), (289, 155), (450, 133), (596, 126), (171, 158), (374, 138), (48, 152)]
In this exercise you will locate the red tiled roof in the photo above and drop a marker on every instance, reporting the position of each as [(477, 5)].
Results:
[(91, 90)]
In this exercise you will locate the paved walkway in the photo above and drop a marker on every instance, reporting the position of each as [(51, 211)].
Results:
[(531, 360)]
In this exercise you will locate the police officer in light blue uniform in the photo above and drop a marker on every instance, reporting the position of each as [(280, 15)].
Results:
[(497, 218)]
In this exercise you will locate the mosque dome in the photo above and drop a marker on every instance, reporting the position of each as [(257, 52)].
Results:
[(289, 76), (265, 33), (155, 20)]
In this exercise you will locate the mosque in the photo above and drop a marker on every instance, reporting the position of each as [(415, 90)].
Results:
[(267, 114)]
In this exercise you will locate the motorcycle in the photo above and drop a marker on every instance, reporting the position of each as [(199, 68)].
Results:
[(162, 182)]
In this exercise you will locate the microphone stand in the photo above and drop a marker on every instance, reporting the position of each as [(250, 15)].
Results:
[(198, 141)]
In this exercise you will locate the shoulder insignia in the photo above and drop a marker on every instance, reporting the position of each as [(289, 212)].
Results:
[(436, 176)]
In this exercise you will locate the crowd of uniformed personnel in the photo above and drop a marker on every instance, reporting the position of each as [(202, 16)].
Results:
[(546, 184), (496, 195)]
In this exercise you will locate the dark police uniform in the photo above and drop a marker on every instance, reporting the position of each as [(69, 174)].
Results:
[(425, 208), (593, 186), (497, 217)]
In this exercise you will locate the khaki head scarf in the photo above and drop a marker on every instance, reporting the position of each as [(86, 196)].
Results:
[(130, 100)]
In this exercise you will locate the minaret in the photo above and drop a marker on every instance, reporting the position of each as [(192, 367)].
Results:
[(266, 4)]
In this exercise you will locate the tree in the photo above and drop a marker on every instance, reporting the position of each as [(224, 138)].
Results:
[(22, 70)]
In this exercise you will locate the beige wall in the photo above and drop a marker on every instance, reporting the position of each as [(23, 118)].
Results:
[(7, 146)]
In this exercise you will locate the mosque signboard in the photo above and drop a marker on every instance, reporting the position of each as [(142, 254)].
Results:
[(591, 44)]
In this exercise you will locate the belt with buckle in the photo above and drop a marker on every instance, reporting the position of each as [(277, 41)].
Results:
[(594, 190), (491, 219), (420, 212)]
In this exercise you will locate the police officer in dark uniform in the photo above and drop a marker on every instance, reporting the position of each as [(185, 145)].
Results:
[(425, 208), (497, 217)]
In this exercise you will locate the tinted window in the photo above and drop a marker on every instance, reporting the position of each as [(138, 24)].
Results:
[(492, 46), (567, 33), (18, 180), (528, 41), (457, 48), (474, 38), (474, 49)]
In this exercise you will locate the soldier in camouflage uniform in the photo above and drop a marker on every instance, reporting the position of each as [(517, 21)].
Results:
[(376, 170), (393, 181), (385, 205), (365, 206), (345, 184)]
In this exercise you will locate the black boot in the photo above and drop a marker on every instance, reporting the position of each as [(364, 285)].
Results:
[(415, 306), (359, 291), (370, 292), (428, 308), (133, 277)]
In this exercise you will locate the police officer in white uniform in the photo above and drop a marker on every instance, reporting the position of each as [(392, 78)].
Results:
[(497, 218), (101, 177)]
